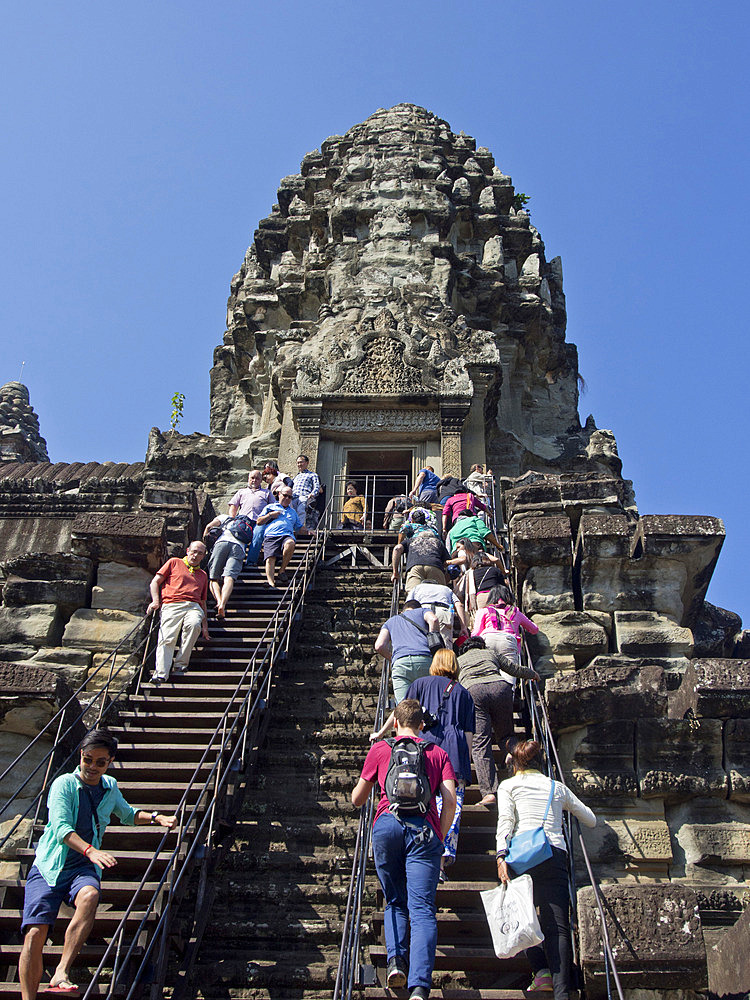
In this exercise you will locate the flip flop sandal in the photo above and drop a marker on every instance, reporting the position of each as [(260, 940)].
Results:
[(64, 986)]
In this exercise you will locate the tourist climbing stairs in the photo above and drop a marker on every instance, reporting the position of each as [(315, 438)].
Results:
[(185, 747)]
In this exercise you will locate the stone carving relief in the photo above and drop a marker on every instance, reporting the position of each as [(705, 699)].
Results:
[(356, 421), (383, 370)]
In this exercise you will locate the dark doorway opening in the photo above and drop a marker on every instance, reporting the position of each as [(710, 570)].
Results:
[(379, 474)]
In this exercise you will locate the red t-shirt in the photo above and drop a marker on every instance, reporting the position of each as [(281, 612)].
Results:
[(437, 765), (180, 584)]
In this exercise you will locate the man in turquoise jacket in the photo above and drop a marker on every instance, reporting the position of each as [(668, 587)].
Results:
[(69, 861)]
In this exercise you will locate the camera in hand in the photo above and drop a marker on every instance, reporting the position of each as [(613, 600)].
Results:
[(430, 720)]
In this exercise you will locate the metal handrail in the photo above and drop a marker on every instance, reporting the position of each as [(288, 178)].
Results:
[(350, 935), (232, 740)]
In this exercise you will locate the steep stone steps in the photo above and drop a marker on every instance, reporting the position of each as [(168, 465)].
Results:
[(282, 890), (163, 734)]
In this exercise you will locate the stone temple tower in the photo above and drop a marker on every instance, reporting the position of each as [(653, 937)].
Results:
[(398, 299)]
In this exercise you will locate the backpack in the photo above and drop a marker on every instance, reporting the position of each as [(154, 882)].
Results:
[(509, 616), (212, 536), (241, 527), (407, 787)]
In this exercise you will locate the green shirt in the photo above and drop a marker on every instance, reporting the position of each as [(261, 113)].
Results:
[(472, 528), (62, 806)]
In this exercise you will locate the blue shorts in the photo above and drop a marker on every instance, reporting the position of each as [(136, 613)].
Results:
[(226, 560), (41, 901)]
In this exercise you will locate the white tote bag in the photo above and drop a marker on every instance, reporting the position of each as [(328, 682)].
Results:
[(512, 917)]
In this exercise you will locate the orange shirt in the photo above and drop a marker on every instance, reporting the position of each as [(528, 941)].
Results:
[(180, 584)]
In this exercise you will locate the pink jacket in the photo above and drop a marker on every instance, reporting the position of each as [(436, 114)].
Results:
[(505, 619)]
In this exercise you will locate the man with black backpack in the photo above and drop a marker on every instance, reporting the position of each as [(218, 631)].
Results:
[(407, 841)]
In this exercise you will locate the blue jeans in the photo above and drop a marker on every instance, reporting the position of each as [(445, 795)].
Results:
[(407, 859)]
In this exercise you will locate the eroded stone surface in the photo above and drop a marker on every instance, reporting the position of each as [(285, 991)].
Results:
[(101, 629), (715, 632), (716, 689), (577, 634), (646, 633), (629, 841), (737, 758), (132, 539), (709, 833), (655, 933), (34, 625), (548, 590), (122, 587), (604, 692), (680, 759), (598, 760)]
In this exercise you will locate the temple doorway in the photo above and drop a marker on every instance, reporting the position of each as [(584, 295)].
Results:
[(379, 474)]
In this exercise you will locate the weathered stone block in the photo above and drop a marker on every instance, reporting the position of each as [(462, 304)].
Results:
[(33, 625), (716, 689), (61, 654), (123, 671), (692, 541), (711, 833), (655, 933), (646, 633), (20, 835), (132, 539), (29, 697), (541, 541), (604, 692), (715, 632), (50, 566), (579, 634), (737, 758), (742, 644), (548, 589), (729, 960), (15, 652), (679, 759), (632, 840), (121, 587), (101, 629), (68, 594), (598, 760)]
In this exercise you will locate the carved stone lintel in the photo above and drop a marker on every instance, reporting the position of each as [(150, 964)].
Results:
[(352, 421)]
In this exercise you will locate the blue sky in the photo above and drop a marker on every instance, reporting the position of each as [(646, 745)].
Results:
[(144, 142)]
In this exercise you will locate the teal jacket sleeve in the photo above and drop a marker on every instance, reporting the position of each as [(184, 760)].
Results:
[(123, 810), (61, 807)]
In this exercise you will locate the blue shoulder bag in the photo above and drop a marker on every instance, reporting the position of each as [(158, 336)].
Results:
[(531, 847)]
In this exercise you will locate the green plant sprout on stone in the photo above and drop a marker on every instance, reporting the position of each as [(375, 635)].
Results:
[(520, 200), (178, 401)]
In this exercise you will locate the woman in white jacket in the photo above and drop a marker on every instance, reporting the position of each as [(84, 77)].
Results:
[(521, 804)]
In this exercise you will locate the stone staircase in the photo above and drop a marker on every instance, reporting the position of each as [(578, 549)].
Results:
[(281, 892)]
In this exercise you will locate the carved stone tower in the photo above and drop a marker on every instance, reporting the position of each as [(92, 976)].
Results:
[(398, 299), (20, 440)]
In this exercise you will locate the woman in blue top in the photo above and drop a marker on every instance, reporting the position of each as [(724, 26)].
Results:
[(453, 730)]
